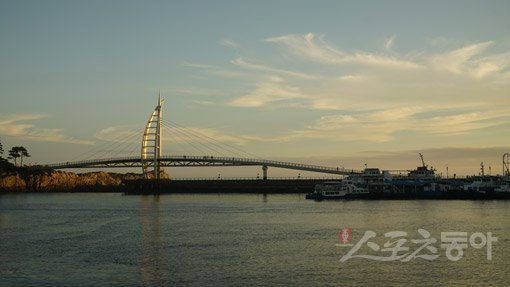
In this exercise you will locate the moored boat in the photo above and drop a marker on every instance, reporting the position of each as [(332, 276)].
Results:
[(421, 183), (338, 190)]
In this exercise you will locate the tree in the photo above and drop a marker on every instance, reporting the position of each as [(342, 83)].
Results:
[(14, 154), (23, 153), (18, 152), (4, 164)]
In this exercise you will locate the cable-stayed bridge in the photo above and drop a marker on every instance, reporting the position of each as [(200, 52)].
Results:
[(197, 161), (151, 159)]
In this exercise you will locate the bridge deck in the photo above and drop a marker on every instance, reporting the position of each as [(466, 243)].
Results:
[(194, 161)]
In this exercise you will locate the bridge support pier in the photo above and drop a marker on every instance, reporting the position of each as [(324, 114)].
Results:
[(264, 172)]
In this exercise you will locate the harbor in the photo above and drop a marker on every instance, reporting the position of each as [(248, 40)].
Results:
[(420, 183), (371, 183)]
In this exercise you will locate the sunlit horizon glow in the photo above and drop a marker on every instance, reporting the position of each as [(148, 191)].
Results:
[(337, 84)]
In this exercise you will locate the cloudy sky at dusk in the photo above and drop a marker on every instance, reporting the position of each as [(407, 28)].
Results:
[(339, 83)]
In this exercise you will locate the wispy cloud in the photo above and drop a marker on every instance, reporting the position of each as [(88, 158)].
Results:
[(389, 42), (350, 78), (192, 91), (462, 123), (316, 48), (310, 47), (466, 60), (458, 61), (270, 92), (383, 125), (245, 64), (215, 70), (229, 43), (203, 103), (380, 96), (200, 66), (125, 134), (15, 125), (469, 60)]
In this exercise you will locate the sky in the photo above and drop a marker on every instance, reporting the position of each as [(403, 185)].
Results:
[(337, 83)]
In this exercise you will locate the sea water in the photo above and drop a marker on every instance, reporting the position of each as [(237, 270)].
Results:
[(107, 239)]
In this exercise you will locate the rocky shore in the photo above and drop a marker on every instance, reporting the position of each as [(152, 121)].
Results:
[(62, 181)]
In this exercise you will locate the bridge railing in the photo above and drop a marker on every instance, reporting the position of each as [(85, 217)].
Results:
[(94, 161), (257, 178), (232, 160), (259, 162), (286, 164)]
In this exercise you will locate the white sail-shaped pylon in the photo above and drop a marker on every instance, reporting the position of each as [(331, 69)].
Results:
[(151, 143)]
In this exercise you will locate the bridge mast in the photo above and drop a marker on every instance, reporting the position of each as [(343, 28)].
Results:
[(151, 143)]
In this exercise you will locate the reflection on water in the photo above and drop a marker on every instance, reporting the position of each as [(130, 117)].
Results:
[(151, 241), (234, 239)]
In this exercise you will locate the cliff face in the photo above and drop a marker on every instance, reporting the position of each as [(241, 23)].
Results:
[(64, 181), (12, 183), (98, 178), (55, 180)]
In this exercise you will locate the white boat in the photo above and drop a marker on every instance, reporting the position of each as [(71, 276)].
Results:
[(481, 184), (504, 187), (337, 190)]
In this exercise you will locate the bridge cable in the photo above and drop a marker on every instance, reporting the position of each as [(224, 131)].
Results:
[(197, 142), (181, 137), (190, 134), (231, 149), (243, 152), (100, 149), (117, 146)]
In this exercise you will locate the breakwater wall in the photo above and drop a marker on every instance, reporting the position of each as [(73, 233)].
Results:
[(147, 186)]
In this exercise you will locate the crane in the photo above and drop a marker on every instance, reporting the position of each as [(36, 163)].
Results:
[(422, 160)]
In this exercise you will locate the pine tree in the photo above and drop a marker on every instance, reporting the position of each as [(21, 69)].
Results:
[(23, 153), (14, 154), (18, 152)]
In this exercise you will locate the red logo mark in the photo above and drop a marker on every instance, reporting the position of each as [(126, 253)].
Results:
[(345, 235)]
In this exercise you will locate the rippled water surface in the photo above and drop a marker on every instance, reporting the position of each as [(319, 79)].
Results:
[(94, 239)]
